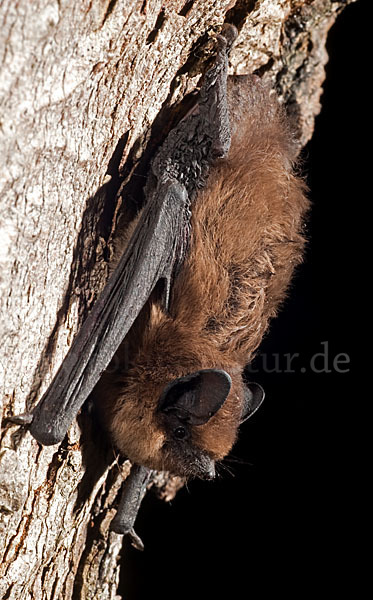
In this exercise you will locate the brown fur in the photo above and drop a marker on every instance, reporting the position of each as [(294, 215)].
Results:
[(246, 241)]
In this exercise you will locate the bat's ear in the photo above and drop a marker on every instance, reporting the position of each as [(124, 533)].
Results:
[(254, 396), (195, 398)]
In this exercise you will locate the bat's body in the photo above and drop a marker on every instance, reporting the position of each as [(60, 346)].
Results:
[(245, 242), (222, 230)]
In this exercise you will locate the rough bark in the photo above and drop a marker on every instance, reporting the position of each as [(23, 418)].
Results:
[(81, 86)]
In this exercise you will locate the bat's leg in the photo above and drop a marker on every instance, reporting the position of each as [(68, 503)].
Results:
[(133, 491), (149, 257), (213, 105), (204, 132)]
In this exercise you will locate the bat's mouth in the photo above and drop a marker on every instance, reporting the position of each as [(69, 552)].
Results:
[(188, 461)]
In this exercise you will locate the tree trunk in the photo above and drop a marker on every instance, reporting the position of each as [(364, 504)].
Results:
[(81, 86)]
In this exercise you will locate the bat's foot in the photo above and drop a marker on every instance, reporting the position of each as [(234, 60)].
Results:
[(226, 37)]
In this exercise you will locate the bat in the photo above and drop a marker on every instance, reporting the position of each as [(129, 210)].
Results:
[(205, 266)]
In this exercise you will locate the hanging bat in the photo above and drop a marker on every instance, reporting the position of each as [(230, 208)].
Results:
[(206, 265)]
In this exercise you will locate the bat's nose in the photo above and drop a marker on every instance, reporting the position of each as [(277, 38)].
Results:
[(210, 473), (207, 470)]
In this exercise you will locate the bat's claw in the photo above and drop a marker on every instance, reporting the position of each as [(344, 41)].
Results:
[(227, 36), (136, 541), (22, 419)]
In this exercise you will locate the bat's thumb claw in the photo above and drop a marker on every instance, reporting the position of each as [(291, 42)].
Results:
[(119, 527), (136, 541), (23, 419)]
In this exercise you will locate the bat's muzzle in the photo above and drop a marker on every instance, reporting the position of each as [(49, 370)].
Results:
[(206, 467)]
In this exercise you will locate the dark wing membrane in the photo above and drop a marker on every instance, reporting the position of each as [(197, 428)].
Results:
[(148, 258)]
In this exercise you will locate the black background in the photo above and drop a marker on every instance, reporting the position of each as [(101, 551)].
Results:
[(281, 521)]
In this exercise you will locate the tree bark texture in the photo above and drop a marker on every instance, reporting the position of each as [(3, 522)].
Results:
[(87, 90)]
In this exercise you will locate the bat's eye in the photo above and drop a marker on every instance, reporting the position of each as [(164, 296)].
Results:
[(180, 433)]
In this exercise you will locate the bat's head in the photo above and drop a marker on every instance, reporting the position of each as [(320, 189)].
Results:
[(188, 406), (178, 404), (185, 405), (187, 424)]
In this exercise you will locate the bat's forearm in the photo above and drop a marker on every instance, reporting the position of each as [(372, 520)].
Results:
[(131, 497), (149, 258)]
